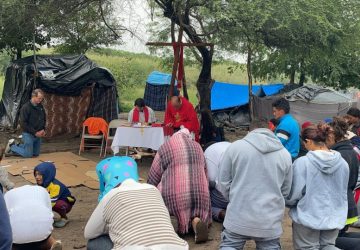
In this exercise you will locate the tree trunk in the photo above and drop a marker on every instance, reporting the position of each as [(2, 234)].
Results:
[(302, 79), (203, 86), (302, 73), (292, 77), (18, 53), (250, 82)]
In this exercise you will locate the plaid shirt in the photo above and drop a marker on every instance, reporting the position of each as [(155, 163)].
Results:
[(179, 172)]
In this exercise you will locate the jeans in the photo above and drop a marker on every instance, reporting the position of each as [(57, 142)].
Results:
[(102, 242), (218, 203), (233, 241), (307, 238), (348, 241), (30, 148)]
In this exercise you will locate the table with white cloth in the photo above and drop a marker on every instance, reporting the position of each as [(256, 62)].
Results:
[(145, 137)]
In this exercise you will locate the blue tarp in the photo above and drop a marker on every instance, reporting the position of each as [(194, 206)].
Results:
[(227, 95), (159, 78), (223, 95)]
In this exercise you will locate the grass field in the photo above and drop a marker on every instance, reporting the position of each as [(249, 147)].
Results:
[(131, 70)]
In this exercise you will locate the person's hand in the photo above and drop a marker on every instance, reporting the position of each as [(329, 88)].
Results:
[(170, 125), (40, 133)]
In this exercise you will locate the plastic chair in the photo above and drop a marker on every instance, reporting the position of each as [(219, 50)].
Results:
[(114, 124), (95, 129)]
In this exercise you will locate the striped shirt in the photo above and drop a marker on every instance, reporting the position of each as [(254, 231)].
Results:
[(134, 214)]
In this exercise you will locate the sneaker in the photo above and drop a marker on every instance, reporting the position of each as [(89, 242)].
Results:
[(61, 223), (8, 146), (56, 246)]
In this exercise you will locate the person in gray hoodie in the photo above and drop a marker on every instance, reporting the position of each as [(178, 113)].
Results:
[(318, 197), (255, 176)]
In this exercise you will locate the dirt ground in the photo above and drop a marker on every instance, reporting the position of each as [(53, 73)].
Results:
[(72, 235)]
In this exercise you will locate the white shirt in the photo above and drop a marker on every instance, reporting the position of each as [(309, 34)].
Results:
[(213, 156), (152, 117), (30, 212)]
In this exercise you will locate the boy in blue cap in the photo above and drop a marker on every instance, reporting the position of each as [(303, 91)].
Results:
[(61, 198)]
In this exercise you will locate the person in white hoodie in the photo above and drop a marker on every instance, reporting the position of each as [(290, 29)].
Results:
[(255, 176), (318, 197)]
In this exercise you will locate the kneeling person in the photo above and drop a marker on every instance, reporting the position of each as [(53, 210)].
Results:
[(213, 155), (130, 215), (61, 198)]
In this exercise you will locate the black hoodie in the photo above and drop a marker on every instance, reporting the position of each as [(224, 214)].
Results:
[(345, 148)]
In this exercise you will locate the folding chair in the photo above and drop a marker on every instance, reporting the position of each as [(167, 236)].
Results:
[(114, 124), (87, 136)]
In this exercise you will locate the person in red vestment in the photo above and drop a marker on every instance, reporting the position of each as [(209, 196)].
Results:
[(180, 112)]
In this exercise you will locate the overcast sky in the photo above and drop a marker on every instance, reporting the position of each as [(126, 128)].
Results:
[(136, 15)]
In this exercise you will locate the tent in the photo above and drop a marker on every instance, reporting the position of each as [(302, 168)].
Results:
[(228, 95), (229, 102), (308, 103), (74, 86), (157, 89)]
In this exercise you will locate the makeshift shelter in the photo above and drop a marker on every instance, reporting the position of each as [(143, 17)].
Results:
[(308, 103), (74, 86), (157, 89), (229, 102)]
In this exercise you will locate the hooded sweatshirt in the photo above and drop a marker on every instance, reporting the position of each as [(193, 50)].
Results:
[(318, 198), (56, 189), (346, 149), (255, 176)]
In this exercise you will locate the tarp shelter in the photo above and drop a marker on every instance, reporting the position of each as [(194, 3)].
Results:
[(229, 102), (157, 89), (228, 95), (74, 86), (308, 103)]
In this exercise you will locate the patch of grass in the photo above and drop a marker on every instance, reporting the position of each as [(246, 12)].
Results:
[(131, 71)]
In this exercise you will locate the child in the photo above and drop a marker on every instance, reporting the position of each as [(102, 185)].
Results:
[(61, 198), (4, 181)]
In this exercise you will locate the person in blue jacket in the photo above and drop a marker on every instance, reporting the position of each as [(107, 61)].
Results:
[(288, 130)]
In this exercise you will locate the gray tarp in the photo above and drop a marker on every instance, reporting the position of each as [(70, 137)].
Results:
[(308, 103)]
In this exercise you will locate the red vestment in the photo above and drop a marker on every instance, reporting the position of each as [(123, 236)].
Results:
[(185, 116)]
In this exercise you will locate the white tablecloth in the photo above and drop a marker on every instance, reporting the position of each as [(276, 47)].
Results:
[(148, 137)]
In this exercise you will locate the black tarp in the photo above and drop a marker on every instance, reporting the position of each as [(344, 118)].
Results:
[(61, 75)]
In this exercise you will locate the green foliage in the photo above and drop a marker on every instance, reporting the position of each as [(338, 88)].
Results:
[(75, 25), (19, 24), (308, 40), (85, 30)]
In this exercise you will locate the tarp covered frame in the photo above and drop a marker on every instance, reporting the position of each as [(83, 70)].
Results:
[(61, 76), (308, 103)]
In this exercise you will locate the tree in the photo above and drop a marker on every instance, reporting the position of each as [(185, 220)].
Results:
[(79, 25), (308, 37), (18, 27), (241, 23), (190, 16), (86, 29)]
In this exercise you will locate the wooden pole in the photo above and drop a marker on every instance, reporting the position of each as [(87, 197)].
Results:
[(176, 64)]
